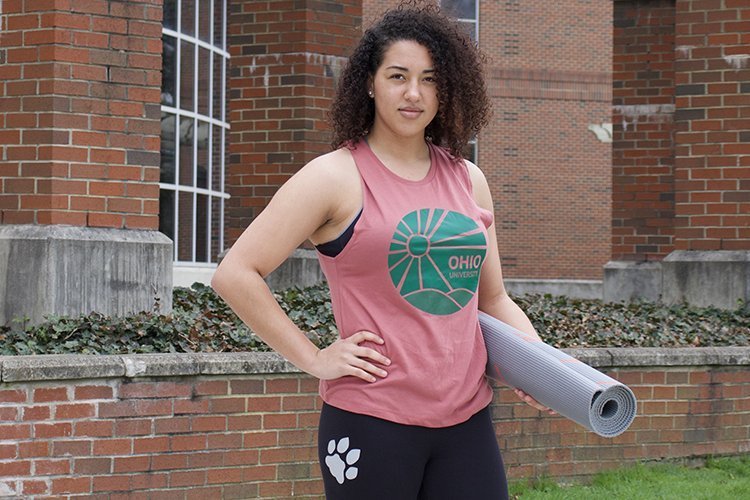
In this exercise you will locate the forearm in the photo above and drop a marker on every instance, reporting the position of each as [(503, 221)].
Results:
[(503, 308), (250, 298)]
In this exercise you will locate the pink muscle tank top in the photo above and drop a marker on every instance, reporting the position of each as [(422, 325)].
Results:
[(410, 273)]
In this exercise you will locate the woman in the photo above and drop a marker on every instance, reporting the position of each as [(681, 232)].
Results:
[(405, 234)]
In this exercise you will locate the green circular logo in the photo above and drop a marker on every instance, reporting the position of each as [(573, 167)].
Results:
[(435, 258)]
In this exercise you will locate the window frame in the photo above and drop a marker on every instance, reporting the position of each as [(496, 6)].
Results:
[(444, 5), (213, 123)]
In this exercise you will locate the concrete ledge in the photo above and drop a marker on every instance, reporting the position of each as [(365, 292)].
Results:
[(577, 289), (300, 269), (718, 278), (628, 281), (60, 367), (78, 366)]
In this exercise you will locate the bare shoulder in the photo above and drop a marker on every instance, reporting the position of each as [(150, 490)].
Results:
[(333, 179), (480, 187), (475, 173), (331, 168)]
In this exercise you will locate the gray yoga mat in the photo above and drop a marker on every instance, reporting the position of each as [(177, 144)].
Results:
[(558, 381)]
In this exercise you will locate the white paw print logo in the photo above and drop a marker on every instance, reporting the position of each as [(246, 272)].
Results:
[(342, 469)]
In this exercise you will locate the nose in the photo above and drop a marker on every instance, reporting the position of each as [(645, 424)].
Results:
[(412, 91)]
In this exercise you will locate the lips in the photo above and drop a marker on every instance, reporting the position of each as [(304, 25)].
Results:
[(410, 112)]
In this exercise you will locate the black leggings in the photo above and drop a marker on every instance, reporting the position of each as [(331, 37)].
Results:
[(363, 457)]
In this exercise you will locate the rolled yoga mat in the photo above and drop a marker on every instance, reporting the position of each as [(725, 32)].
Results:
[(558, 381)]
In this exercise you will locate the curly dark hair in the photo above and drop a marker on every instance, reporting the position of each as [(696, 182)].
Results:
[(464, 107)]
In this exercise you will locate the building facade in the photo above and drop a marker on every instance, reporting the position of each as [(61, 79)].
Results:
[(143, 136)]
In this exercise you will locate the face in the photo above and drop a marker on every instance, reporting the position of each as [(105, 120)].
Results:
[(405, 90)]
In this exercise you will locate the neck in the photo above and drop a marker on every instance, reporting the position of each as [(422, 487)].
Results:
[(408, 149)]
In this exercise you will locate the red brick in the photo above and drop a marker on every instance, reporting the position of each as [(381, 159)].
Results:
[(74, 411), (133, 427), (41, 412), (52, 430), (190, 406), (92, 466), (292, 403), (111, 483), (154, 390), (223, 441), (56, 467), (12, 396), (51, 394), (15, 468), (264, 404), (93, 392), (187, 478), (33, 449), (31, 487), (132, 464), (207, 424), (228, 405), (113, 447), (275, 490), (169, 461), (94, 428), (134, 408), (151, 444), (71, 485), (224, 476), (187, 443), (77, 448), (172, 425)]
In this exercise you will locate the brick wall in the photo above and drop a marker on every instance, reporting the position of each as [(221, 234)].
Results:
[(712, 142), (244, 425), (285, 58), (681, 156), (643, 147), (79, 128)]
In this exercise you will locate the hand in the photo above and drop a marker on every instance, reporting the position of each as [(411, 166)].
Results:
[(346, 357), (532, 402)]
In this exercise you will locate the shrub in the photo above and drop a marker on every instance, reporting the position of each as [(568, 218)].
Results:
[(202, 322)]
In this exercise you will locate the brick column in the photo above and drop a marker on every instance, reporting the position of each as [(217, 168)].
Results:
[(712, 139), (642, 148), (711, 264), (709, 253), (285, 59), (79, 157)]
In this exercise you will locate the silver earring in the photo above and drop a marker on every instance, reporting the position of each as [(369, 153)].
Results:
[(371, 94)]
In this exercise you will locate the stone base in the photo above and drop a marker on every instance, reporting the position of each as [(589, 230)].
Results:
[(577, 289), (627, 281), (301, 269), (66, 270), (718, 278)]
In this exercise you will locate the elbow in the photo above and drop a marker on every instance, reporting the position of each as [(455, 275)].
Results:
[(231, 277), (217, 281), (221, 281)]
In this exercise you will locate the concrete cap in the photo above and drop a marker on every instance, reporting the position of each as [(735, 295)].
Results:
[(80, 366)]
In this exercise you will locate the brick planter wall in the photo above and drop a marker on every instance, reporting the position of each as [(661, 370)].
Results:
[(244, 425)]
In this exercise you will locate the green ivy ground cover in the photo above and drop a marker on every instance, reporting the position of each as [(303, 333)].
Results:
[(202, 322)]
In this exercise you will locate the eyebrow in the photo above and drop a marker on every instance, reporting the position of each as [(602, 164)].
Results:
[(401, 68)]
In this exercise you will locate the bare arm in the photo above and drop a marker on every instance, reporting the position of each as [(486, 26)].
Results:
[(493, 298), (300, 209)]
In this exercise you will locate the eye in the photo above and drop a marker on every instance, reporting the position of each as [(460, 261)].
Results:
[(430, 79), (396, 76)]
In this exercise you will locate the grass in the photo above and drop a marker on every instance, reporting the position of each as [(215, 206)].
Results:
[(719, 478)]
